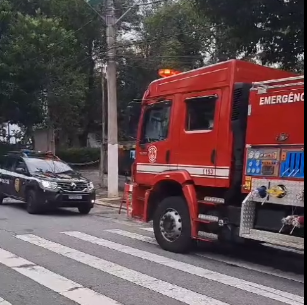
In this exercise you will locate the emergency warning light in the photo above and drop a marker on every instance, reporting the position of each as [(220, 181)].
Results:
[(168, 72)]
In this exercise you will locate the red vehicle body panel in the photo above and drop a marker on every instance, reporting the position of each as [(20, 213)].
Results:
[(190, 152), (278, 111), (276, 119)]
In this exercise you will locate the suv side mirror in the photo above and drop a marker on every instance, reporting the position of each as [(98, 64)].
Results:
[(20, 170)]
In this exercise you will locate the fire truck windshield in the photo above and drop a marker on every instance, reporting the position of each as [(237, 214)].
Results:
[(156, 123)]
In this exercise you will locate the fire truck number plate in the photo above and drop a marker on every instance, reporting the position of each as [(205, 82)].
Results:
[(209, 171)]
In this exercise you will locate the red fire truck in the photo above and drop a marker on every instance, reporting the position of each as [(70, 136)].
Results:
[(220, 157)]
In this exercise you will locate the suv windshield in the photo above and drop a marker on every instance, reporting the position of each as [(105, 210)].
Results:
[(41, 165)]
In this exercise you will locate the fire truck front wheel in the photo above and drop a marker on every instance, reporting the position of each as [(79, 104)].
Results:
[(172, 225)]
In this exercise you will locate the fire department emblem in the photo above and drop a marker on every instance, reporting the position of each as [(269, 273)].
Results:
[(152, 154)]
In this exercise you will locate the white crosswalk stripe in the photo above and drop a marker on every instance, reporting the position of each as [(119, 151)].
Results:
[(53, 281), (4, 302), (257, 289), (147, 229), (146, 239), (173, 291), (78, 293), (215, 257)]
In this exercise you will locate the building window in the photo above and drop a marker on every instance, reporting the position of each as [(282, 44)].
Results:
[(201, 113)]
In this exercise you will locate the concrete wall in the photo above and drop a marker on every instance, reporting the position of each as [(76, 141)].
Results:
[(44, 140)]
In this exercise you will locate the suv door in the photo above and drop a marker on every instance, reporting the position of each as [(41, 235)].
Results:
[(4, 182), (6, 176), (153, 147), (21, 171)]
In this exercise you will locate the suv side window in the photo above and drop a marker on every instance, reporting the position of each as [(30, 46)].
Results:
[(156, 123), (8, 163), (201, 113), (20, 164), (2, 160)]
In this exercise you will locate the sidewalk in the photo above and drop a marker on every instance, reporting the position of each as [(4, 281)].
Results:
[(103, 200)]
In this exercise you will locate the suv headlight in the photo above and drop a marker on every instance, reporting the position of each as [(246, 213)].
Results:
[(49, 184), (90, 186)]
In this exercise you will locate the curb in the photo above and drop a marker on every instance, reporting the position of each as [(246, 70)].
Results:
[(109, 204)]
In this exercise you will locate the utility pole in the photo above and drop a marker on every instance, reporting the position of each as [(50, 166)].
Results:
[(103, 129), (111, 76), (112, 102)]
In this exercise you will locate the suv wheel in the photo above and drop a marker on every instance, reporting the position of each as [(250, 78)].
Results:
[(31, 204), (85, 209), (172, 225)]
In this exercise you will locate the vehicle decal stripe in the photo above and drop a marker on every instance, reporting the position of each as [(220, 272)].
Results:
[(218, 172)]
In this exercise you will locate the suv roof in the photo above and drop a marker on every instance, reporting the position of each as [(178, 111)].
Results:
[(26, 153)]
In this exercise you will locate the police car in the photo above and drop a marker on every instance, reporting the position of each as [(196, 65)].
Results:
[(43, 181)]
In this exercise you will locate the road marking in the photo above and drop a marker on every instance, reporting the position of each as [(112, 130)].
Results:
[(4, 302), (254, 267), (148, 229), (57, 283), (219, 258), (254, 288), (135, 236), (173, 291)]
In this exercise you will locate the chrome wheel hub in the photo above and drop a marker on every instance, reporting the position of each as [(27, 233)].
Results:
[(171, 225)]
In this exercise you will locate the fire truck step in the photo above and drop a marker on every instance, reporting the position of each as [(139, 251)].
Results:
[(208, 218), (212, 201), (208, 236)]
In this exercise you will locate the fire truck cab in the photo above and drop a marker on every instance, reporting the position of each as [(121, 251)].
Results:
[(219, 157)]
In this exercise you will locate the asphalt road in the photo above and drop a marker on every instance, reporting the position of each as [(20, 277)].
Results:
[(104, 259)]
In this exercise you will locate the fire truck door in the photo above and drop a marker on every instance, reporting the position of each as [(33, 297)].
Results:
[(197, 151), (153, 149)]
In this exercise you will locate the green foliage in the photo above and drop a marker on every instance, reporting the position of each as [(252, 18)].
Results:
[(51, 52), (5, 148), (275, 28), (79, 155), (36, 58), (172, 35), (176, 36)]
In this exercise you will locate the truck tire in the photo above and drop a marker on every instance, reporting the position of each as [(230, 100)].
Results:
[(172, 225), (32, 204), (1, 199)]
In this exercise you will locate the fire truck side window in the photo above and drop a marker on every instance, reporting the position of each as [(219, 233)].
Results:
[(156, 123), (201, 113)]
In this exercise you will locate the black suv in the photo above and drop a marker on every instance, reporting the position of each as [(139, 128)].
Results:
[(43, 181)]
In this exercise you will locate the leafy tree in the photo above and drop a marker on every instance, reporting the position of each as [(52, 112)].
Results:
[(171, 35), (273, 28), (176, 36), (34, 57)]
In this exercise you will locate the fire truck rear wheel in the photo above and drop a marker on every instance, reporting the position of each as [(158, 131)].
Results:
[(172, 225)]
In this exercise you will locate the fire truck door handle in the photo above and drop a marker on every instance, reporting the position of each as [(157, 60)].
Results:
[(213, 157), (168, 156)]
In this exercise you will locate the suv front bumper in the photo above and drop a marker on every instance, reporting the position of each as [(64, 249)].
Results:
[(66, 199)]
